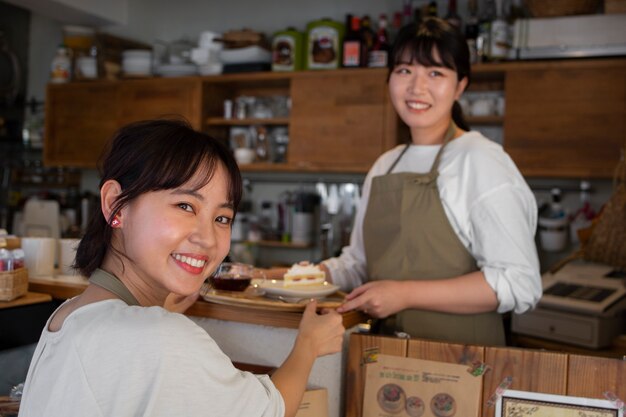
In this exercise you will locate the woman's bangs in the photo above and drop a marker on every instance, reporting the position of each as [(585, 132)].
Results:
[(422, 50)]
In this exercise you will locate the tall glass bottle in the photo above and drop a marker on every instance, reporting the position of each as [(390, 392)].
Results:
[(499, 38), (379, 55), (353, 46), (471, 30), (483, 42), (452, 16)]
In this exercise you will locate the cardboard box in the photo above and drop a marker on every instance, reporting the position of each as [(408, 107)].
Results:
[(314, 403)]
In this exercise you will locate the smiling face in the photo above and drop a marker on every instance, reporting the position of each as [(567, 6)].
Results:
[(423, 95), (173, 239)]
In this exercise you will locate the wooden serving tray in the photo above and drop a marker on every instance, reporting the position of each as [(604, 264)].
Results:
[(251, 298)]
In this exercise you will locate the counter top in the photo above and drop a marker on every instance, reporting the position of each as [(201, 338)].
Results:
[(61, 289), (27, 299)]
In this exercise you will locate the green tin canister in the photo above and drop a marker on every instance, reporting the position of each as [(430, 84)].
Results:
[(323, 49), (288, 50)]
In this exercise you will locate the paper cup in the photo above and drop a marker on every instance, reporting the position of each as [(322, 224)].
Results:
[(39, 255), (67, 254)]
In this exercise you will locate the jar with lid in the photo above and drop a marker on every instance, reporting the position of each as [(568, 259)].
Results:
[(61, 68), (6, 260)]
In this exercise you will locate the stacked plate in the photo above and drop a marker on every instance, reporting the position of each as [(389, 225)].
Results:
[(137, 63)]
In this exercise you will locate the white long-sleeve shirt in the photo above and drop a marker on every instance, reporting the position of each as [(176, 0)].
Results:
[(111, 359), (489, 205)]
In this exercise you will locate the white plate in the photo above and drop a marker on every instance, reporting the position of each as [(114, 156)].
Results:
[(275, 287), (245, 55)]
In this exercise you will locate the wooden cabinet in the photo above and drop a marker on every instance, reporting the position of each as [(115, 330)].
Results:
[(566, 118), (563, 118), (79, 120), (341, 120), (81, 117)]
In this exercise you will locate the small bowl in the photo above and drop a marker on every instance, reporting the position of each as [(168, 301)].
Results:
[(234, 276), (244, 155)]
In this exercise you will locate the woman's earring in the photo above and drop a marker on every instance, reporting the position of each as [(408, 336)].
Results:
[(115, 222)]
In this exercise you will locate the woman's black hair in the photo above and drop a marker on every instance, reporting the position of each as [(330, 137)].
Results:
[(148, 156), (417, 42)]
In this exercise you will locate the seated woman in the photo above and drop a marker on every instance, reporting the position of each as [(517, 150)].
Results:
[(168, 198)]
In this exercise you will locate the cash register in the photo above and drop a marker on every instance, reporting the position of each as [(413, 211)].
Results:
[(583, 304)]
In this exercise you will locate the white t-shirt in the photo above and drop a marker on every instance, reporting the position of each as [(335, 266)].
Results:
[(489, 205), (111, 359)]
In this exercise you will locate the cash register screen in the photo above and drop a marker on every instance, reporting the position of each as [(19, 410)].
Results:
[(579, 292)]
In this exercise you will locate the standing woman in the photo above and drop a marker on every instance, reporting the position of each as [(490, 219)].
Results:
[(168, 198), (444, 238)]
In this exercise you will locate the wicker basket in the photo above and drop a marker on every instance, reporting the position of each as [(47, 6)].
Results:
[(13, 284), (554, 8)]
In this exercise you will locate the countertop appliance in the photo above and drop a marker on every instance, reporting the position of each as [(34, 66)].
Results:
[(569, 37), (582, 304)]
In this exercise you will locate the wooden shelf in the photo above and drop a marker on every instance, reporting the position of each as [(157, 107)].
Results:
[(279, 244), (219, 121), (302, 167), (485, 120)]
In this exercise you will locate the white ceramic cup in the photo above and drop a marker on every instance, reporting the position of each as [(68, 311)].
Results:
[(39, 255), (67, 254), (553, 233), (244, 155)]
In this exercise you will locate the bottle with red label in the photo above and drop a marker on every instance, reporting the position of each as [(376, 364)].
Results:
[(379, 55), (354, 51)]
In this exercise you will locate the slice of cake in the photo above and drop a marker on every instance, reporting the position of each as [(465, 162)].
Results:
[(304, 274)]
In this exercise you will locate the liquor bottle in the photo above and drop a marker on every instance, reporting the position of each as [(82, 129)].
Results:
[(379, 55), (353, 47), (471, 31), (407, 14), (484, 31), (431, 10), (452, 16), (499, 39), (396, 24), (367, 34)]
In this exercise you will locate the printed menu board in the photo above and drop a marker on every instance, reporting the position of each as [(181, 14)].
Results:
[(399, 386)]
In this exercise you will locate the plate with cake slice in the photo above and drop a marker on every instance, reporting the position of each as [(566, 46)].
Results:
[(302, 280)]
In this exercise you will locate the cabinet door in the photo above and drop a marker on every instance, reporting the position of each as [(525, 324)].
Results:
[(80, 118), (340, 120), (566, 120), (161, 98)]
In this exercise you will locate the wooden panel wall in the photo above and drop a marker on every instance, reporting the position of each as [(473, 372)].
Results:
[(531, 370)]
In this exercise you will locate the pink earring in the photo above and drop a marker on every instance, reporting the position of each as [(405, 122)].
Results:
[(115, 222)]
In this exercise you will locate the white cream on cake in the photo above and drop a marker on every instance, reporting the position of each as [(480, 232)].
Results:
[(304, 274)]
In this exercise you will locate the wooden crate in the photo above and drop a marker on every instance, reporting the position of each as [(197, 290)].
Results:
[(531, 370)]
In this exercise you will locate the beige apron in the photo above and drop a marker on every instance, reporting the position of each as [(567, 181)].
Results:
[(407, 235)]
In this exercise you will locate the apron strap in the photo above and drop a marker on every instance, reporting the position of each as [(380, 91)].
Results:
[(111, 283), (406, 148), (447, 138)]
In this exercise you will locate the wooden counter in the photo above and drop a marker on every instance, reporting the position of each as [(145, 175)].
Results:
[(27, 299), (64, 290)]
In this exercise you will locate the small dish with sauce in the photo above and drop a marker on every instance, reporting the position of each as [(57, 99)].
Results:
[(235, 276)]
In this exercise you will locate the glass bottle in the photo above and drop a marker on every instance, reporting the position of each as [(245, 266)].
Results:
[(379, 55), (353, 46), (499, 38), (61, 68), (452, 16), (484, 31), (471, 31)]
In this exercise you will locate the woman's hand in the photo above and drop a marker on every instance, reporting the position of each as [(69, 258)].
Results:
[(378, 299), (322, 333), (180, 303)]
